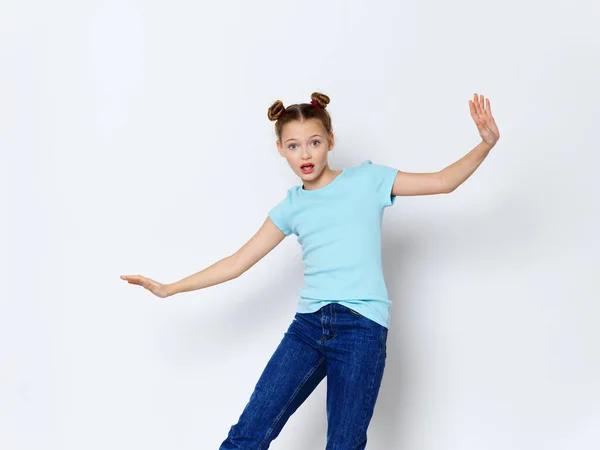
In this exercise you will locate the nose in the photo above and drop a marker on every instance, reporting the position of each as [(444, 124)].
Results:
[(305, 153)]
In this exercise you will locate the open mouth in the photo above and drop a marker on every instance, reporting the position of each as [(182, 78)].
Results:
[(307, 168)]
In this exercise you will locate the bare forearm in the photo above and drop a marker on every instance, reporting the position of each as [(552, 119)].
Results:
[(458, 172), (220, 272)]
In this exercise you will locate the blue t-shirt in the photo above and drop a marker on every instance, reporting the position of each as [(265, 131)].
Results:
[(339, 229)]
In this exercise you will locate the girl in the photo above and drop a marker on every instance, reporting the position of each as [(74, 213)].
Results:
[(341, 325)]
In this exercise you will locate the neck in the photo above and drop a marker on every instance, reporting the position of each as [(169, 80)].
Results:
[(326, 177)]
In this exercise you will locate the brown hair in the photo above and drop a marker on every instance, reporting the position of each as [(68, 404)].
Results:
[(302, 111)]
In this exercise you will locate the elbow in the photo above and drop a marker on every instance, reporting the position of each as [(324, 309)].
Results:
[(234, 267), (446, 187)]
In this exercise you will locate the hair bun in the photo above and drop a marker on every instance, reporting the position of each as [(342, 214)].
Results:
[(320, 99), (276, 110)]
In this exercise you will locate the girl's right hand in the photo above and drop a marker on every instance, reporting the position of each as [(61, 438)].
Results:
[(158, 289)]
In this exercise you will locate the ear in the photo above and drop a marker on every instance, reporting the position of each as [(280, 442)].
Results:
[(331, 141), (279, 148)]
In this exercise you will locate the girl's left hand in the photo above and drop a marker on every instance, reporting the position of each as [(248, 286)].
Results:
[(482, 115)]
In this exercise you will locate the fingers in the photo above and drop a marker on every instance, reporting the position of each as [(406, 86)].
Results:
[(482, 105), (478, 104), (474, 112), (130, 277), (135, 279), (147, 283)]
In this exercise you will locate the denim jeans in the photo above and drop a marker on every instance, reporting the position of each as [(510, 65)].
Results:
[(334, 342)]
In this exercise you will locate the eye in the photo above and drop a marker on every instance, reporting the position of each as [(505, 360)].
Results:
[(290, 146), (316, 141)]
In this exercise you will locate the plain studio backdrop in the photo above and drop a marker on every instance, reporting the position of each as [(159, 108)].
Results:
[(134, 140)]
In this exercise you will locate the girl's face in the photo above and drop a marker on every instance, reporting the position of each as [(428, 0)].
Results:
[(305, 143)]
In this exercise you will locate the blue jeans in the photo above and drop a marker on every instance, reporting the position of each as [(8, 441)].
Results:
[(336, 342)]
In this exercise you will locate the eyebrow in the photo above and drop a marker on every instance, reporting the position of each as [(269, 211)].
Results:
[(291, 139)]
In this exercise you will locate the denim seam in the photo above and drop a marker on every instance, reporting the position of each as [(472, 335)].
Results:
[(333, 327), (370, 392), (302, 383)]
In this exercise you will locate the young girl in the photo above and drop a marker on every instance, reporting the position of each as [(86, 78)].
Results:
[(341, 325)]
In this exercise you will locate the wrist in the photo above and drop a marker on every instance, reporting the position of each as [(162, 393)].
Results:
[(488, 145), (171, 289)]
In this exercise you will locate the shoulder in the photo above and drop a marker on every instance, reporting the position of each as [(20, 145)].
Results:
[(367, 166), (367, 170), (291, 194), (289, 198), (375, 171), (359, 169), (370, 166), (377, 177)]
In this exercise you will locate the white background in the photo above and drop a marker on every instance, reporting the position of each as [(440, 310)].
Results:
[(134, 139)]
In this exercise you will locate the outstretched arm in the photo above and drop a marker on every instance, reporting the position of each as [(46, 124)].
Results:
[(228, 268), (265, 240), (449, 178)]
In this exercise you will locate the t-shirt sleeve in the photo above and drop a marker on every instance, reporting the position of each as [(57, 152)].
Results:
[(382, 180), (280, 215)]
